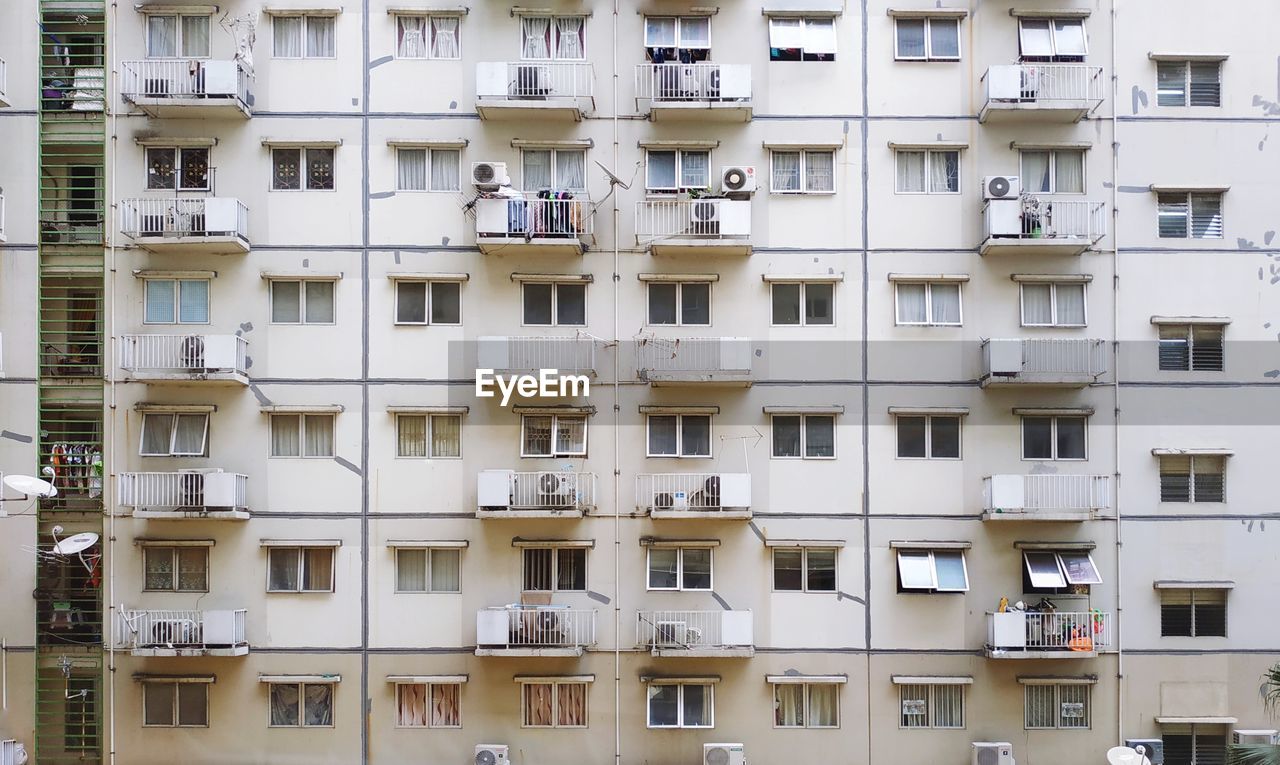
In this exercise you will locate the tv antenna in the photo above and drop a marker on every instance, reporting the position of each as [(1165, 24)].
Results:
[(614, 180)]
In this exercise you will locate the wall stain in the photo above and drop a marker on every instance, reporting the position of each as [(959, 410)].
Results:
[(1245, 244), (348, 465), (19, 437), (1139, 96)]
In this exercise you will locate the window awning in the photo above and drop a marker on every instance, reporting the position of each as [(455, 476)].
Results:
[(816, 543), (941, 410), (1193, 452), (1056, 278), (523, 277), (899, 544), (567, 409), (301, 143), (1194, 584), (1050, 13), (679, 679), (426, 10), (1057, 680), (300, 543), (544, 143), (188, 10), (311, 10), (914, 278), (150, 407), (814, 679), (784, 409), (920, 13), (926, 145), (1051, 411), (427, 544), (428, 409), (679, 409), (1222, 320), (319, 679), (827, 277), (687, 143), (555, 678), (427, 678), (1055, 545), (301, 409), (932, 679), (176, 141), (670, 543), (1193, 187), (1049, 145), (152, 677), (1197, 720), (158, 273), (1154, 56), (522, 542), (428, 143), (315, 276), (801, 145), (678, 277), (816, 13), (153, 542)]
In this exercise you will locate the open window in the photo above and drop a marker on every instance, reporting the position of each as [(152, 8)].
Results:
[(1053, 572), (1057, 40), (686, 39), (927, 570)]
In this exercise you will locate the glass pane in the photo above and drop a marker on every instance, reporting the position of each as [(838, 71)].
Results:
[(819, 436), (695, 32), (787, 569), (949, 565), (944, 38), (158, 703), (697, 569), (195, 36), (318, 705), (823, 705), (1037, 304), (282, 569), (446, 570), (286, 438), (915, 570), (571, 704), (695, 435), (1035, 177), (819, 303), (786, 171), (446, 173), (944, 437), (571, 305), (320, 36), (157, 430), (944, 303), (537, 303), (662, 568), (821, 574), (320, 169), (912, 306), (915, 706), (788, 705), (1034, 38), (536, 440), (910, 172), (1175, 479), (697, 705), (193, 704), (1070, 304), (317, 569), (160, 295), (538, 563), (819, 171), (446, 303), (1043, 570), (1171, 83), (411, 302), (193, 569), (1071, 438), (286, 302), (158, 563), (1068, 37), (911, 436), (944, 172), (1206, 216), (1206, 86), (662, 303), (411, 571), (162, 36), (659, 32), (786, 435), (161, 171), (911, 38), (411, 705), (1079, 568), (193, 301), (287, 36), (661, 170), (571, 569), (446, 709), (786, 304), (189, 435), (1037, 438), (319, 302), (1069, 169), (317, 431), (695, 304), (446, 435), (411, 435), (571, 435), (1172, 215), (664, 709), (286, 167), (694, 172), (411, 169), (538, 703)]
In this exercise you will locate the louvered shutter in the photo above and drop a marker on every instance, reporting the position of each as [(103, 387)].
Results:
[(1206, 216), (1205, 83), (1206, 348)]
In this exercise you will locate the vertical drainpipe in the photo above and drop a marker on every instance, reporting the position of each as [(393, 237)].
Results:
[(617, 475), (1115, 365), (108, 497)]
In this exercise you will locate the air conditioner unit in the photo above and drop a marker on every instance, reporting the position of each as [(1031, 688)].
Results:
[(191, 352), (488, 176), (491, 754), (987, 753), (1000, 187), (738, 181), (493, 489), (219, 78), (671, 634), (724, 754), (1153, 748), (1253, 737), (1004, 357), (12, 753), (552, 489), (704, 216)]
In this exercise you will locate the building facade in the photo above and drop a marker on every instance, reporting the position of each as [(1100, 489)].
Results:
[(921, 340)]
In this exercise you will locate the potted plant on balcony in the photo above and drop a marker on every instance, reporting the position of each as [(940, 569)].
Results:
[(1032, 213)]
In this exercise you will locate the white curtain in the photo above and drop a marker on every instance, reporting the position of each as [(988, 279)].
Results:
[(284, 435), (1035, 172), (1070, 172), (788, 702), (944, 38), (413, 36), (411, 570), (445, 169), (195, 36), (411, 169), (287, 33), (820, 36), (571, 170), (786, 171), (944, 172), (911, 172), (1037, 305), (536, 30), (819, 171), (188, 437), (785, 33), (571, 435), (695, 32), (156, 431), (446, 430), (444, 37), (318, 432), (411, 435), (912, 308), (536, 170), (320, 37), (823, 705), (659, 32), (286, 302), (1071, 304), (693, 169), (162, 36), (944, 300), (569, 38), (445, 570)]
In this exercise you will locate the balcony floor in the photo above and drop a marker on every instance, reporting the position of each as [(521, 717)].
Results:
[(561, 109), (531, 651), (1032, 653), (735, 652), (1065, 111), (1028, 246), (541, 512), (214, 244), (707, 111), (699, 379), (191, 107), (538, 245), (193, 514), (234, 650), (727, 514), (191, 378), (693, 247), (1061, 516), (1038, 381)]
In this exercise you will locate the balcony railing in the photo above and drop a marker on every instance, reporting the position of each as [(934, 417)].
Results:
[(1044, 84), (2, 236), (1044, 219), (533, 353), (4, 83), (1045, 495), (184, 491), (519, 222), (181, 632), (674, 83), (693, 358), (706, 220), (533, 81), (187, 355), (184, 218), (695, 632), (503, 491), (1063, 361), (184, 83), (676, 494), (535, 627), (1065, 632)]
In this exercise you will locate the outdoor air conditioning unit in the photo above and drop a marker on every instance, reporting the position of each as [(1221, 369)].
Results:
[(488, 176), (1004, 357), (1253, 737), (491, 754), (704, 216), (724, 754), (1000, 187), (553, 489), (986, 753), (670, 634), (219, 78), (738, 181), (191, 352), (493, 489), (1153, 748)]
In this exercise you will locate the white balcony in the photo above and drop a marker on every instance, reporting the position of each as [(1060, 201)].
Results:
[(194, 226), (694, 361), (1053, 362), (704, 634), (186, 494), (685, 227), (1041, 226), (528, 355), (2, 235), (4, 84), (694, 495), (1045, 497), (1041, 92), (181, 632), (520, 630), (534, 494), (185, 358), (1056, 635), (534, 226), (558, 90), (703, 91), (186, 88)]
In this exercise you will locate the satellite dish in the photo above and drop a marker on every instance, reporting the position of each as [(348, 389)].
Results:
[(1123, 755), (29, 485), (76, 543), (613, 178)]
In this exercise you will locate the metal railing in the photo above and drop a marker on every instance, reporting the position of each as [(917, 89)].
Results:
[(535, 80), (713, 219), (694, 355), (687, 630), (675, 82), (1049, 357), (1051, 492), (184, 217), (4, 80), (1040, 83), (183, 490), (551, 490), (1, 216), (683, 491), (178, 628), (532, 353), (184, 353), (183, 78), (1049, 631), (544, 627), (1044, 218), (534, 218)]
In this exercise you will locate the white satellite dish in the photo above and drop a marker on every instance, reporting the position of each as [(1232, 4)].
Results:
[(76, 543), (613, 177), (1123, 755), (30, 486)]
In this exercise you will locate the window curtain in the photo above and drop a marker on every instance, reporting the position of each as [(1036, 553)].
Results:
[(411, 440), (785, 33), (319, 435), (695, 32), (446, 569), (193, 302), (156, 431), (536, 170), (286, 305), (693, 169), (820, 436), (786, 171), (195, 36), (411, 169), (944, 171), (569, 38), (319, 302), (1070, 304), (320, 37), (1069, 167), (819, 36), (695, 435), (1035, 172), (411, 705), (1037, 306), (819, 171), (571, 170), (662, 434), (537, 30), (188, 437), (661, 170), (660, 32), (287, 34), (413, 33), (284, 435), (945, 303), (445, 705), (911, 172), (444, 169), (823, 705), (411, 570), (571, 703), (317, 569), (159, 568), (162, 36), (446, 436), (193, 569), (284, 704), (282, 569), (911, 304), (697, 705), (319, 704), (944, 38), (444, 37), (537, 704), (911, 38)]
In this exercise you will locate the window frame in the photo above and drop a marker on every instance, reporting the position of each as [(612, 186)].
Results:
[(928, 436), (708, 688), (303, 551), (804, 172), (178, 154), (554, 29), (1053, 169), (302, 302), (1057, 703), (680, 21), (1054, 56), (933, 588), (175, 572), (1191, 478), (427, 43), (664, 191), (553, 153), (429, 436), (804, 569), (173, 434), (928, 303), (554, 575), (931, 706), (804, 418), (177, 302), (680, 451), (679, 303), (1054, 322), (1189, 340), (555, 302), (427, 696), (555, 704), (427, 562), (928, 172), (1186, 66), (427, 304), (680, 569), (306, 20), (555, 430), (302, 706), (807, 689), (302, 436), (429, 153), (804, 23), (1053, 437), (1191, 613), (1064, 576), (928, 56), (304, 164), (179, 35), (177, 703), (803, 314), (1165, 199)]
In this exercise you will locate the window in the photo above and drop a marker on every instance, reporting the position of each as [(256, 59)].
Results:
[(1060, 171), (438, 436), (176, 301), (438, 569), (935, 304), (804, 304), (806, 705), (183, 37), (927, 39), (1191, 348), (803, 172), (1190, 215), (682, 304), (677, 170), (1052, 39), (180, 169), (428, 705), (1056, 706), (677, 38), (561, 304), (932, 706), (302, 435), (928, 172), (1052, 572), (306, 705), (302, 302), (553, 705), (289, 173), (562, 38), (300, 569), (175, 705), (679, 568), (303, 36), (932, 571), (1053, 438), (553, 435), (175, 569), (802, 38), (428, 302), (1189, 83), (928, 436), (1193, 478), (679, 435), (1193, 613), (804, 569), (174, 434), (436, 37), (428, 169), (1053, 304), (559, 169), (1194, 744), (811, 436), (681, 705), (555, 569)]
